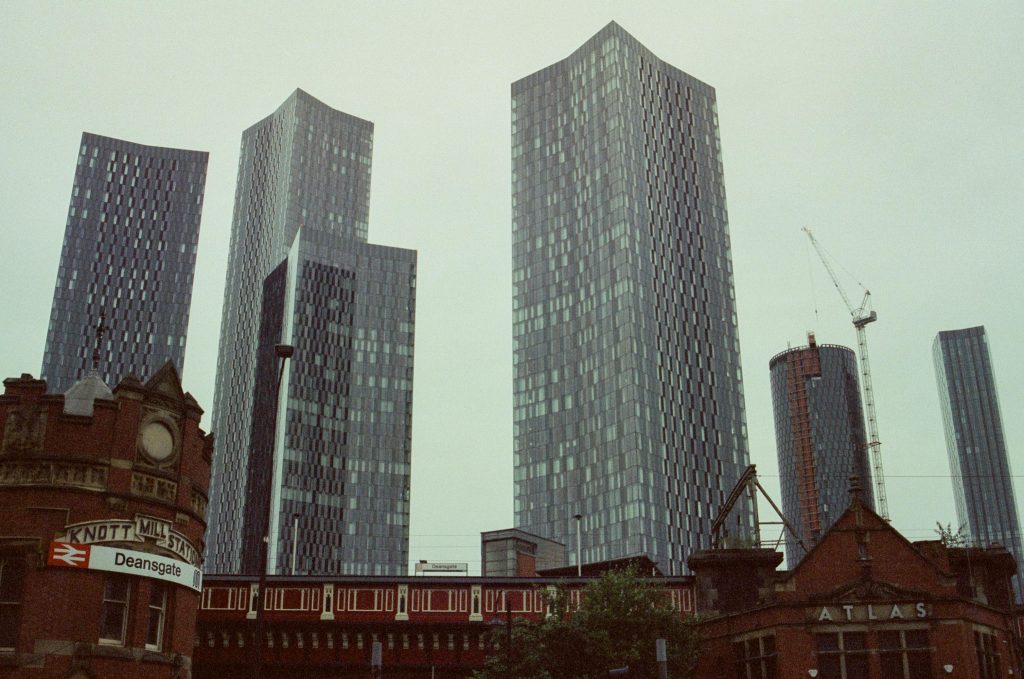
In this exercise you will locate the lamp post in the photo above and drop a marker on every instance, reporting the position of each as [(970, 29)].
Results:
[(282, 352), (295, 538), (508, 627), (579, 542)]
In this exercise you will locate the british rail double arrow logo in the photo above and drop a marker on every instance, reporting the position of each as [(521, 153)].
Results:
[(63, 554)]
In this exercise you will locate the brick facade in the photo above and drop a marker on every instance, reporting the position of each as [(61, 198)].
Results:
[(325, 627), (132, 475), (901, 610), (863, 604)]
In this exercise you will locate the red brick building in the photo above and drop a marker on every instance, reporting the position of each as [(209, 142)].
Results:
[(120, 478), (863, 604), (325, 627), (102, 514)]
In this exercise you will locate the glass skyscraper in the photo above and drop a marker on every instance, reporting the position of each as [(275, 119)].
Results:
[(986, 506), (301, 272), (819, 431), (128, 259), (628, 393)]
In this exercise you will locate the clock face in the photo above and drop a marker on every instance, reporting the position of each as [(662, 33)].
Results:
[(157, 441)]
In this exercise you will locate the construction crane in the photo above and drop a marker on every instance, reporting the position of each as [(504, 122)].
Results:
[(862, 315)]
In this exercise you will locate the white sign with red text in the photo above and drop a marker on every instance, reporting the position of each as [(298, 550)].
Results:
[(131, 562)]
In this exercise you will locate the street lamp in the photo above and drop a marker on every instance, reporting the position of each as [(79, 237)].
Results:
[(508, 627), (579, 542), (295, 538), (282, 352)]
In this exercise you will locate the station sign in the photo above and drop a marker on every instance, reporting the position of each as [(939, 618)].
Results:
[(127, 561), (441, 567), (142, 529)]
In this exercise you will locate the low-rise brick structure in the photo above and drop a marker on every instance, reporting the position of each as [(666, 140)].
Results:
[(102, 514), (864, 603)]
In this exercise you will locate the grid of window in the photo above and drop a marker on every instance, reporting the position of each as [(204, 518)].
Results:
[(905, 654), (628, 405), (755, 658), (820, 437), (842, 655), (114, 609), (128, 255), (12, 582), (345, 467), (306, 165), (982, 481)]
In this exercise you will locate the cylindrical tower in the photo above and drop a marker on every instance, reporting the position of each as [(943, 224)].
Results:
[(819, 431)]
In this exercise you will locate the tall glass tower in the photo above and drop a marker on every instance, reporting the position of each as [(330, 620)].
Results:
[(128, 258), (628, 392), (986, 506), (329, 452), (819, 430)]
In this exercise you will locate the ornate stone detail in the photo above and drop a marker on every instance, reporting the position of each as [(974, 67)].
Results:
[(159, 440), (870, 590), (24, 429), (40, 473), (199, 503), (154, 487)]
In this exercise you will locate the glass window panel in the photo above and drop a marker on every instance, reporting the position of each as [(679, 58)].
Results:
[(889, 640), (829, 667), (157, 613), (12, 578), (826, 642), (854, 641), (919, 665), (916, 638), (892, 664), (857, 666), (114, 612)]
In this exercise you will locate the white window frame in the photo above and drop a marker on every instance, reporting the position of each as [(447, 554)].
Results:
[(160, 611), (125, 604)]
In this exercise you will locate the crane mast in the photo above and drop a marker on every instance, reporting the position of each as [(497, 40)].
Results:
[(862, 315)]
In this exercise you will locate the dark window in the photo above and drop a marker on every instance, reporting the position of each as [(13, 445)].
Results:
[(157, 615), (12, 581), (988, 655), (755, 658), (905, 654), (842, 655), (114, 612)]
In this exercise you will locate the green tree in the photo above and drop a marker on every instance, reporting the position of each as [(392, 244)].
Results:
[(949, 537), (617, 623)]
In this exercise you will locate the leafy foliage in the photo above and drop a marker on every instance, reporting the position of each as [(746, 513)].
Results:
[(949, 537), (616, 625)]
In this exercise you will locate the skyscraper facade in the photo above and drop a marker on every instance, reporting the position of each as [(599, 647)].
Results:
[(127, 261), (329, 452), (819, 431), (986, 506), (628, 393)]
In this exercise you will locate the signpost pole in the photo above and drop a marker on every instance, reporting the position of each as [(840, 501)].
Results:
[(283, 352)]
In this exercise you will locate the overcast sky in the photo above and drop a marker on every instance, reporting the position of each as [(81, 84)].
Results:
[(894, 130)]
